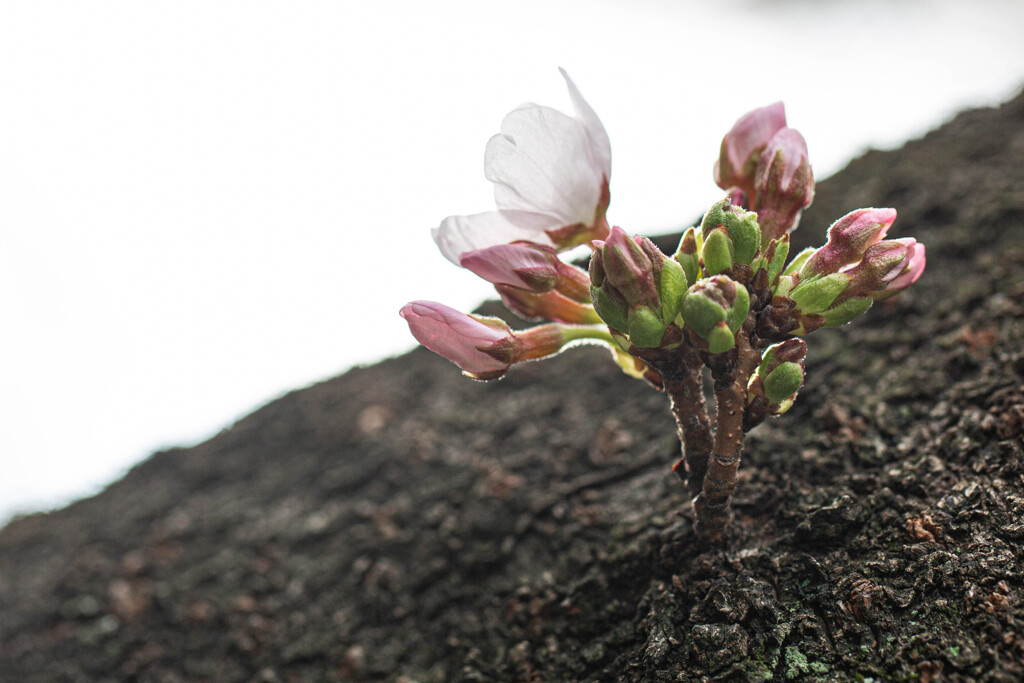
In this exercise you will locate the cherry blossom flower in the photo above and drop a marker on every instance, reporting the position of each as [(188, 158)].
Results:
[(550, 173)]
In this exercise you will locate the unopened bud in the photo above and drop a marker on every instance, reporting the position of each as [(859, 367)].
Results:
[(645, 327), (780, 375), (742, 145), (628, 269), (672, 287), (720, 338), (784, 184), (609, 305), (714, 303), (783, 382), (887, 268), (717, 252), (909, 275), (741, 227), (483, 348), (848, 239), (686, 255), (529, 266)]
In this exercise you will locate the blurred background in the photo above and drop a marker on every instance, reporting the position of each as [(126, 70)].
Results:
[(205, 205)]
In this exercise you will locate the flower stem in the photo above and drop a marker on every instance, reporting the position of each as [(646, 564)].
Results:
[(547, 340), (572, 333)]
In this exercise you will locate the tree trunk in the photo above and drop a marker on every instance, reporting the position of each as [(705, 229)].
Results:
[(402, 521)]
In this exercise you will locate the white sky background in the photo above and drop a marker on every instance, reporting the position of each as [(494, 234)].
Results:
[(206, 204)]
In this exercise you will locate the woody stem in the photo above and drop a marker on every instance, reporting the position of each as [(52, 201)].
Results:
[(712, 505), (686, 396)]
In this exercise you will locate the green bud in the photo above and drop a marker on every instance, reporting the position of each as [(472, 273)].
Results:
[(780, 375), (740, 226), (717, 252), (798, 261), (701, 312), (686, 256), (720, 338), (814, 296), (846, 311), (645, 327), (671, 290), (716, 306), (613, 313), (783, 382)]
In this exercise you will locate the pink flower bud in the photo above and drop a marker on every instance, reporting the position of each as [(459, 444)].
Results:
[(460, 338), (783, 185), (529, 266), (910, 274), (484, 348), (628, 269), (742, 146), (848, 239), (887, 268)]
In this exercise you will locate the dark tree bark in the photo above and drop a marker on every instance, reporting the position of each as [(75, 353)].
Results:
[(402, 521)]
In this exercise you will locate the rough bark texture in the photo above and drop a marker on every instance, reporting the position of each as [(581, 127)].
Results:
[(401, 521)]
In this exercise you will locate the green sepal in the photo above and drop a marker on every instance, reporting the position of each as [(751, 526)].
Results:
[(779, 260), (718, 254), (814, 296), (782, 382), (798, 261), (611, 312), (846, 311), (738, 313), (672, 289), (645, 327), (720, 338), (701, 313), (786, 284)]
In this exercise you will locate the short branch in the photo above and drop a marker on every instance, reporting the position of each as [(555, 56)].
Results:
[(686, 396), (712, 505)]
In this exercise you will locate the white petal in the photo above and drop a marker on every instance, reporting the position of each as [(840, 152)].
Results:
[(458, 234), (542, 162), (601, 148)]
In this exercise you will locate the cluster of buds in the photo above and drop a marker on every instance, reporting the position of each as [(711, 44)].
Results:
[(726, 302)]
